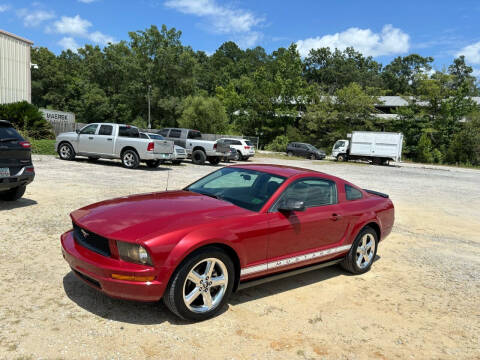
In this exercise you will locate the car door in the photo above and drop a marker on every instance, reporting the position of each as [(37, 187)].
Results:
[(86, 139), (175, 136), (103, 140), (316, 232)]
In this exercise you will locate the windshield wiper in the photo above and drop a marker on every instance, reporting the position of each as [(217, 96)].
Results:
[(8, 139)]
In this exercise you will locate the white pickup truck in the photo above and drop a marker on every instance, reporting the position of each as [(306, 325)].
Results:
[(113, 141), (198, 149)]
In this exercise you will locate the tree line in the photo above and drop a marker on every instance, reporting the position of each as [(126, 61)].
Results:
[(277, 96)]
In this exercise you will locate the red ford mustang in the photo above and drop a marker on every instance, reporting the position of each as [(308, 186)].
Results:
[(236, 227)]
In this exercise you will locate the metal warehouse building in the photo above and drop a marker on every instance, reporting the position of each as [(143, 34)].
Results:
[(15, 80)]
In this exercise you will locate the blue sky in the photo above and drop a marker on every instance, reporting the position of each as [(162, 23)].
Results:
[(383, 29)]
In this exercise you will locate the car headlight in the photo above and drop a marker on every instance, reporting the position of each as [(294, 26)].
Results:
[(133, 253)]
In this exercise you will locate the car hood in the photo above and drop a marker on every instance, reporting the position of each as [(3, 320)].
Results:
[(143, 217)]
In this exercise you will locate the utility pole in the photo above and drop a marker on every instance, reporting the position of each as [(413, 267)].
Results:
[(149, 122)]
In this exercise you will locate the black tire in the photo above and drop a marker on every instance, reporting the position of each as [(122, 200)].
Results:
[(130, 159), (93, 159), (341, 157), (13, 194), (349, 263), (289, 153), (238, 156), (153, 163), (313, 157), (199, 157), (176, 162), (245, 158), (214, 160), (66, 152), (174, 294)]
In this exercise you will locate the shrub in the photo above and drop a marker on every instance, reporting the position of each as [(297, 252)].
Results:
[(26, 117), (424, 149), (278, 144)]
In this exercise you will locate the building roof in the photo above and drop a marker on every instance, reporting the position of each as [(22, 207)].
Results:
[(16, 37)]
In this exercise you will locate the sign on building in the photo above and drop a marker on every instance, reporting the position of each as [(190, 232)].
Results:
[(61, 121)]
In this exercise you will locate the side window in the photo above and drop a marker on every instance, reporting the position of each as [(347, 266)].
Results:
[(128, 131), (192, 134), (143, 136), (175, 133), (313, 192), (236, 142), (89, 129), (351, 193), (105, 130), (164, 132)]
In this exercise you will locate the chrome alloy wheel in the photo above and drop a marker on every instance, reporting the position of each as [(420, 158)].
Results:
[(65, 151), (205, 285), (129, 159), (365, 251)]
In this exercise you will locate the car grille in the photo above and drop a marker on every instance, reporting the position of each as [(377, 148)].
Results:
[(91, 241)]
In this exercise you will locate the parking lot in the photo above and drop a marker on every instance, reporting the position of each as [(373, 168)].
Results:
[(421, 299)]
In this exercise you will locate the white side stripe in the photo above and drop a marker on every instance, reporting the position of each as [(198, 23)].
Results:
[(293, 260)]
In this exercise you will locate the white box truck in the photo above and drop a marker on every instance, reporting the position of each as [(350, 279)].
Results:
[(378, 147)]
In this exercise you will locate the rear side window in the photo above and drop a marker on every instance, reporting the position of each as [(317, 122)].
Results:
[(175, 133), (351, 193), (128, 131), (248, 142), (236, 142), (8, 132), (105, 130), (164, 132)]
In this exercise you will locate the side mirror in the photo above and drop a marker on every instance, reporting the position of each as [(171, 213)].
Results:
[(77, 131), (292, 205)]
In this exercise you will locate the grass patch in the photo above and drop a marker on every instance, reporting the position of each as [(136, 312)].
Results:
[(43, 147), (278, 156)]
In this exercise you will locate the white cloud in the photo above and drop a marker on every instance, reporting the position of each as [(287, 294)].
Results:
[(72, 26), (4, 8), (223, 19), (69, 43), (34, 17), (78, 27), (389, 41), (471, 53)]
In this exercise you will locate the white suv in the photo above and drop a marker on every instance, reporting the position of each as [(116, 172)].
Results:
[(244, 148)]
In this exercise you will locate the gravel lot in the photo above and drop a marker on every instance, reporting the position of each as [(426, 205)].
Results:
[(421, 299)]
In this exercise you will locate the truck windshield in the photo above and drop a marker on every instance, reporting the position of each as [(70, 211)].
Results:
[(248, 189), (338, 144)]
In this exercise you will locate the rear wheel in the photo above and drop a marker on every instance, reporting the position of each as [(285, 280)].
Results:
[(289, 153), (66, 152), (238, 156), (153, 163), (130, 159), (201, 285), (214, 160), (13, 194), (362, 253), (199, 157)]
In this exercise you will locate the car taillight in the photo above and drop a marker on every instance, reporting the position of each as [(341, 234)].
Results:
[(246, 147), (150, 146), (29, 169), (215, 146), (25, 144)]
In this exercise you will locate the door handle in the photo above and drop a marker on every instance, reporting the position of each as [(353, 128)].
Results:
[(109, 139), (335, 217), (90, 137)]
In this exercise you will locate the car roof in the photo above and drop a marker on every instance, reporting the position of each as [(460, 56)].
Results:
[(282, 170), (227, 138), (5, 123)]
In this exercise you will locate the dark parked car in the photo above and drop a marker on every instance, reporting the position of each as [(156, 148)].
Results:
[(305, 150), (16, 169)]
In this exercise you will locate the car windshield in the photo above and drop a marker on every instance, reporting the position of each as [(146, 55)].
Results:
[(245, 188), (311, 147), (156, 137)]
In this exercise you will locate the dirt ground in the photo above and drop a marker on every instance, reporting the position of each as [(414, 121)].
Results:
[(421, 300)]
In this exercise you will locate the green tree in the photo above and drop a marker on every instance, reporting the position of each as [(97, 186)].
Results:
[(206, 114)]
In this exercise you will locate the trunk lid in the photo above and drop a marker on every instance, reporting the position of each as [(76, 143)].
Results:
[(12, 154)]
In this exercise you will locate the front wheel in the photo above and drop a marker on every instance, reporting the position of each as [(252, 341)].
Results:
[(341, 157), (201, 286), (66, 152), (130, 159), (13, 194), (362, 253)]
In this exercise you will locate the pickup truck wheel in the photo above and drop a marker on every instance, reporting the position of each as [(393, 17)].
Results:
[(153, 163), (362, 253), (66, 152), (130, 159), (214, 160), (13, 194), (199, 157), (201, 286)]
